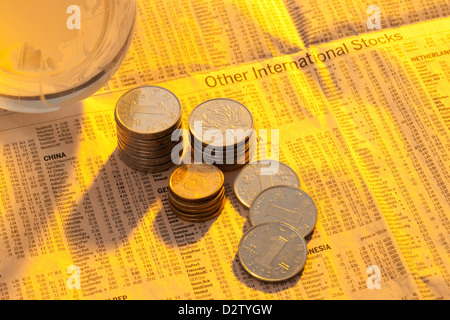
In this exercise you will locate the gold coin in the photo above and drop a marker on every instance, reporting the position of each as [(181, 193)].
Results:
[(196, 182), (197, 208), (198, 204), (200, 214), (196, 218), (145, 153)]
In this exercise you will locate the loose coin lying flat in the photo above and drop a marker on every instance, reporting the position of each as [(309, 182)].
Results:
[(258, 176), (220, 115), (146, 168), (196, 207), (198, 218), (272, 251), (285, 204)]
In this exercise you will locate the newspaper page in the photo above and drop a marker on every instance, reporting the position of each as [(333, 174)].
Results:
[(362, 119)]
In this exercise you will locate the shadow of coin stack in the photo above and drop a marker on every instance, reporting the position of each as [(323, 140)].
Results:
[(146, 118), (221, 132), (197, 192)]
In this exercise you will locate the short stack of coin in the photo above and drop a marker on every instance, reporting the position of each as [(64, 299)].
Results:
[(222, 133), (196, 192), (146, 118)]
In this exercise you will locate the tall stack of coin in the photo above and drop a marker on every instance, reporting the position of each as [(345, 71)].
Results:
[(146, 118), (196, 192), (222, 133)]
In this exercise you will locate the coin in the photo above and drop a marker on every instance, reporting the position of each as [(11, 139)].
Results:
[(272, 251), (260, 175), (285, 204), (196, 204), (146, 168), (196, 181), (221, 131), (146, 162), (196, 218), (219, 161), (148, 112), (146, 120), (147, 152), (220, 116)]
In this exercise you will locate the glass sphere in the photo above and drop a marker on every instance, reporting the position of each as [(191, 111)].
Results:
[(56, 53)]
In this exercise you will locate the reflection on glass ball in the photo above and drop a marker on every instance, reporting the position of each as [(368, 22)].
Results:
[(55, 53)]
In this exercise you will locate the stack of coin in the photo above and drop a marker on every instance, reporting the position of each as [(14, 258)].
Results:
[(146, 119), (222, 133), (196, 192)]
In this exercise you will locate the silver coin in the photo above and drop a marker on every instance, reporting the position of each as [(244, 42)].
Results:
[(199, 213), (139, 160), (208, 201), (227, 152), (232, 156), (260, 175), (285, 204), (148, 152), (208, 158), (169, 137), (218, 161), (223, 122), (272, 251), (148, 112), (128, 131), (197, 208)]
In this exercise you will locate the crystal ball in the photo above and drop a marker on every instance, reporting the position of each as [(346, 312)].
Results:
[(56, 53)]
